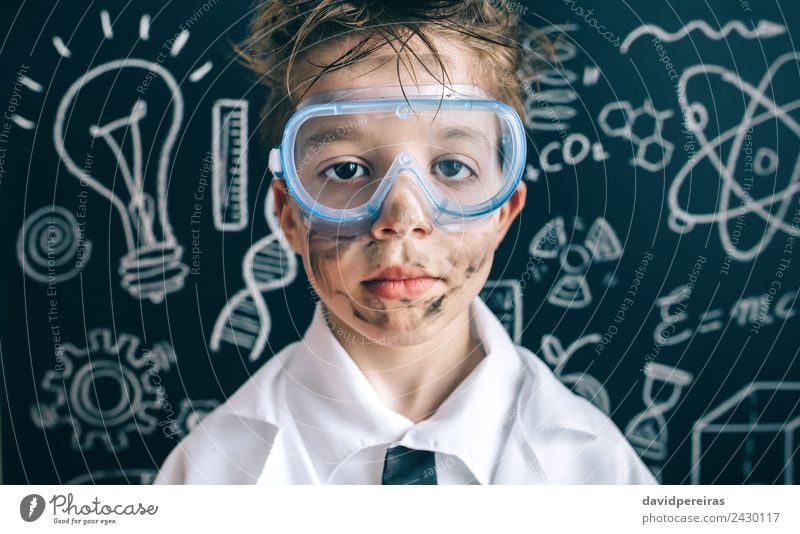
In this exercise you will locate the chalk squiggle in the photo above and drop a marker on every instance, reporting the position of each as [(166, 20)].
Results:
[(764, 28)]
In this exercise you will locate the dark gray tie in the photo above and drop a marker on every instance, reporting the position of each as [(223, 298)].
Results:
[(409, 466)]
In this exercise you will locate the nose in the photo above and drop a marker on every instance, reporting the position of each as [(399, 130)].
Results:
[(404, 212)]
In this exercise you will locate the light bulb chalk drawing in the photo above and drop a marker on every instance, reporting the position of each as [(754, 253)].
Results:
[(763, 30), (268, 265), (620, 119), (601, 244), (757, 430), (681, 219), (229, 134), (153, 266), (647, 430), (49, 245), (504, 298), (104, 391), (581, 383)]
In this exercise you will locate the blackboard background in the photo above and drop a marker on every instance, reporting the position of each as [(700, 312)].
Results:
[(732, 348)]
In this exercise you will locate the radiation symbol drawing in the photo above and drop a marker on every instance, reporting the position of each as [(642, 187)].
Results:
[(105, 391), (553, 241)]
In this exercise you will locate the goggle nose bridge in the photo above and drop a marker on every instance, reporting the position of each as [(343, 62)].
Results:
[(405, 161)]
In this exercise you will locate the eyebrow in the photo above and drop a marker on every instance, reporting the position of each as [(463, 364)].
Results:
[(331, 134), (465, 133)]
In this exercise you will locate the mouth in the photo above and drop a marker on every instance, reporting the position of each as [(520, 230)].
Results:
[(399, 282)]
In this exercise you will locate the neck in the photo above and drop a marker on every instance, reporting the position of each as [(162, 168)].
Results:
[(414, 380)]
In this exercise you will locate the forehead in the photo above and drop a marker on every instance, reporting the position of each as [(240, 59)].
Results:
[(384, 67)]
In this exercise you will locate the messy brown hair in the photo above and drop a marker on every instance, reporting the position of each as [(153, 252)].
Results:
[(285, 31)]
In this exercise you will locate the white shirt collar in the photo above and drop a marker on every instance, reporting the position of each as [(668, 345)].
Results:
[(338, 413)]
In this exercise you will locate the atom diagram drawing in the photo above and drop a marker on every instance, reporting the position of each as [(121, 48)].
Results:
[(724, 151)]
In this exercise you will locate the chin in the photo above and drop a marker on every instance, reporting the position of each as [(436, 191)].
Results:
[(399, 331)]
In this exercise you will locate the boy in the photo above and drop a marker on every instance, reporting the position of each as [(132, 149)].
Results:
[(396, 178)]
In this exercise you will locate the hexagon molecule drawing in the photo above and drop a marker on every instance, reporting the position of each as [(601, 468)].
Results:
[(643, 127)]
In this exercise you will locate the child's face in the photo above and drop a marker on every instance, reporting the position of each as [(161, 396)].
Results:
[(358, 277)]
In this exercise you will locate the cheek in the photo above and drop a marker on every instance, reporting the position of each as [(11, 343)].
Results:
[(471, 255), (327, 260)]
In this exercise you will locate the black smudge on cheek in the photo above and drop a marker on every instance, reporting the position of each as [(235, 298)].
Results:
[(371, 252), (322, 250), (472, 255), (435, 306), (373, 317)]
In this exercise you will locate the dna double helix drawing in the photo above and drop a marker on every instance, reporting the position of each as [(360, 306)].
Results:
[(269, 264)]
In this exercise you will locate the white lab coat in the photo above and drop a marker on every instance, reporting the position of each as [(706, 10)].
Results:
[(309, 416)]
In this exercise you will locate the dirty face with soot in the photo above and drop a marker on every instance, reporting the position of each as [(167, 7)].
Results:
[(404, 279)]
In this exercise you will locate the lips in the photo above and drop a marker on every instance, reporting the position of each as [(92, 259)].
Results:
[(398, 282)]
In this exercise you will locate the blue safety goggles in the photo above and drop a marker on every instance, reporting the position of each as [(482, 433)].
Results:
[(342, 153)]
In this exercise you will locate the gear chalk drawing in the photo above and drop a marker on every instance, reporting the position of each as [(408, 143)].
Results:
[(104, 391)]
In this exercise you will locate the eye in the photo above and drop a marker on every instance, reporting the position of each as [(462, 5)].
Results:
[(453, 169), (344, 171)]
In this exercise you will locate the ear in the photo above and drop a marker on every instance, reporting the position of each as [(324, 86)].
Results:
[(509, 211), (290, 224)]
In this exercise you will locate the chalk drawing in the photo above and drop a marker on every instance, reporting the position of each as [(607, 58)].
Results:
[(591, 75), (755, 311), (61, 48), (229, 134), (772, 209), (144, 27), (643, 127), (51, 247), (153, 266), (105, 391), (574, 149), (647, 431), (504, 298), (190, 413), (756, 432), (765, 161), (764, 29), (581, 383), (551, 108), (601, 244), (268, 265), (105, 23), (36, 87)]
